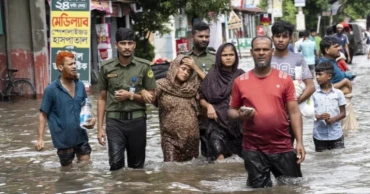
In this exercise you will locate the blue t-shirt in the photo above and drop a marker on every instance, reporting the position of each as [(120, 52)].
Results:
[(343, 40), (338, 75), (308, 49), (63, 114)]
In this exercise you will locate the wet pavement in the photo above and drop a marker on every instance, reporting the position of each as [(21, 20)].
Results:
[(24, 170)]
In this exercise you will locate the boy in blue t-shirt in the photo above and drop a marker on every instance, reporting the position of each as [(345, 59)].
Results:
[(329, 110)]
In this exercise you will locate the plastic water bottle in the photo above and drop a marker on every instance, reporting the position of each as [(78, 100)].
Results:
[(132, 86), (204, 68), (85, 114)]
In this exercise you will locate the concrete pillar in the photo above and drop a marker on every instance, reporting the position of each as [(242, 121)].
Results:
[(20, 38), (39, 44)]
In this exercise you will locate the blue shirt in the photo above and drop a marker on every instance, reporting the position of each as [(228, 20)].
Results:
[(308, 49), (338, 74), (290, 47), (328, 103), (63, 114), (343, 40)]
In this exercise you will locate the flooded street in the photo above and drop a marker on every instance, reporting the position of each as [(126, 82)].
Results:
[(24, 170)]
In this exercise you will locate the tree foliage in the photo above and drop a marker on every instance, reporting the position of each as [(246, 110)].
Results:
[(355, 9), (156, 15)]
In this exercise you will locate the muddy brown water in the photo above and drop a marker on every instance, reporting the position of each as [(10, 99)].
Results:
[(24, 170)]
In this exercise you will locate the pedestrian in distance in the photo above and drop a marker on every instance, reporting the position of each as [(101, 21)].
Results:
[(60, 107), (125, 83), (309, 51), (329, 110), (260, 98)]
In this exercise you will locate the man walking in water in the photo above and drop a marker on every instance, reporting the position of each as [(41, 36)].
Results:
[(61, 106), (289, 62), (267, 143), (125, 84)]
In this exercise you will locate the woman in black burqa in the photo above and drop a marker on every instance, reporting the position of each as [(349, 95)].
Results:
[(223, 137)]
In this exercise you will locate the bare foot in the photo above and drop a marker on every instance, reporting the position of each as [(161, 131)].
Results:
[(220, 157)]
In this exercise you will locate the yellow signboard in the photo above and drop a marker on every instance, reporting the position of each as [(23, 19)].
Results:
[(70, 28)]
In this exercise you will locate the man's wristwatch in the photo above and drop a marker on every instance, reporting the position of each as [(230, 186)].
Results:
[(132, 96)]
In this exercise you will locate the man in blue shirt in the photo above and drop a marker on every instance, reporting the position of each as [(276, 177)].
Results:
[(309, 52), (330, 49), (61, 107), (329, 111), (343, 41)]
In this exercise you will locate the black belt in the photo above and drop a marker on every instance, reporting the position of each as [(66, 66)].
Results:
[(126, 115)]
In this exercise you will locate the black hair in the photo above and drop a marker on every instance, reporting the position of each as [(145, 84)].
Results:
[(300, 34), (329, 31), (327, 42), (124, 34), (325, 66), (261, 37), (281, 27), (313, 30), (199, 26), (306, 33)]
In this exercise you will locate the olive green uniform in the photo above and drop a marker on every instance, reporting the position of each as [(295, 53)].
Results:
[(208, 58), (126, 120)]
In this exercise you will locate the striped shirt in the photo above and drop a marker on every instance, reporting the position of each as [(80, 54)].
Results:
[(63, 114)]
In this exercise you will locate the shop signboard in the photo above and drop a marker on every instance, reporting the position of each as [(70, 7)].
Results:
[(104, 42), (70, 31)]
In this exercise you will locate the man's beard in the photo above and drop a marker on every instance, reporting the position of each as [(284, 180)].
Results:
[(69, 76), (261, 65), (199, 46)]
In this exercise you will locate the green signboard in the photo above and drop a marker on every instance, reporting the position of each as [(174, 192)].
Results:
[(70, 31)]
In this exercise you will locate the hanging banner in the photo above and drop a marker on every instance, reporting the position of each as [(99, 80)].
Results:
[(181, 25), (101, 5), (70, 31), (104, 42), (277, 7)]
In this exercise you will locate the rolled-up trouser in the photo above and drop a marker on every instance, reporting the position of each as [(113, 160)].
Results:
[(126, 134)]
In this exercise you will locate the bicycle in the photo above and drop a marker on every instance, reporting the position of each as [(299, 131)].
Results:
[(21, 87)]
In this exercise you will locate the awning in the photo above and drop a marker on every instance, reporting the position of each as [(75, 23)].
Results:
[(249, 9)]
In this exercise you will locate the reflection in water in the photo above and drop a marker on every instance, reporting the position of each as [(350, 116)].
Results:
[(24, 170)]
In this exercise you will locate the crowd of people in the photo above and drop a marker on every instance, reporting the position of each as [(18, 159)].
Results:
[(207, 104)]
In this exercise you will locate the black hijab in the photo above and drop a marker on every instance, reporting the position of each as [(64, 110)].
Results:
[(217, 85)]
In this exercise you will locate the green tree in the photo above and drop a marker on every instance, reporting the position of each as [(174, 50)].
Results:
[(156, 14), (355, 9)]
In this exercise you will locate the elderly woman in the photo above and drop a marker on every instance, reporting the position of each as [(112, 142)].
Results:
[(178, 109), (223, 137)]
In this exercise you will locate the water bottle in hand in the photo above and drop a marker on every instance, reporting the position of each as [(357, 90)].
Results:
[(204, 68), (86, 113), (132, 86)]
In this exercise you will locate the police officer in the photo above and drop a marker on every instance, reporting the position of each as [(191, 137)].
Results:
[(204, 57), (122, 81)]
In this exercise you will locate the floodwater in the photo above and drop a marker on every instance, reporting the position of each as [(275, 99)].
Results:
[(24, 170)]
